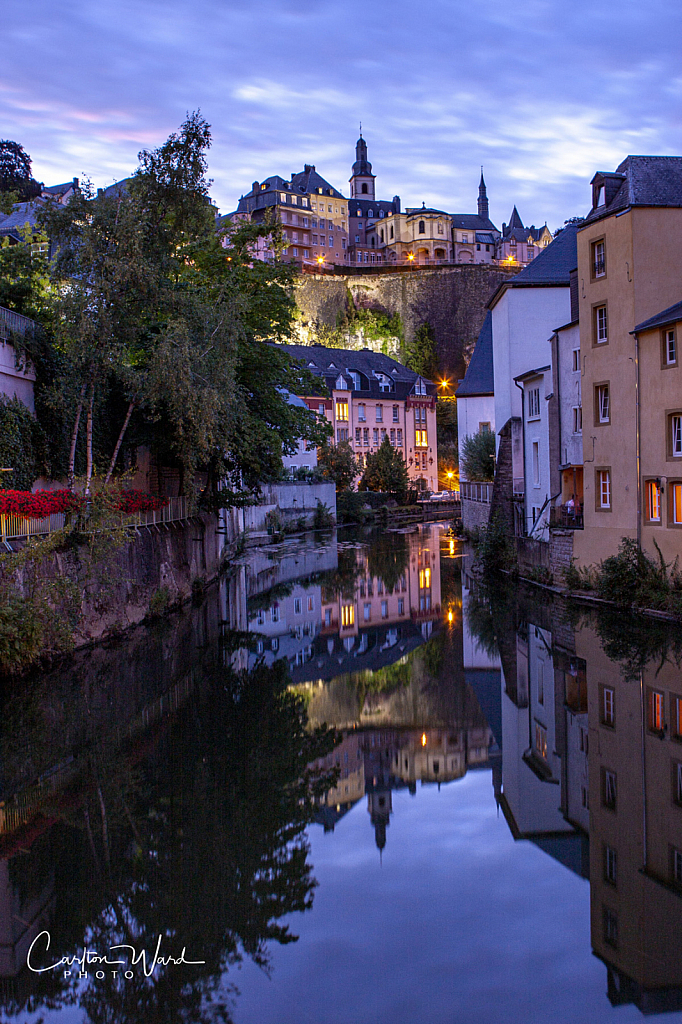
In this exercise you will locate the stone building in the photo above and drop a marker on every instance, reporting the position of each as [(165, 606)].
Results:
[(474, 236), (476, 413), (365, 211), (367, 397), (519, 244), (313, 214)]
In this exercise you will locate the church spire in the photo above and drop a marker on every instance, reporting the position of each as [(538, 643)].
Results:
[(361, 179), (483, 210)]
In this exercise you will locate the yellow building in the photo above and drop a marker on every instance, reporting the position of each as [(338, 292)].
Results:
[(629, 257)]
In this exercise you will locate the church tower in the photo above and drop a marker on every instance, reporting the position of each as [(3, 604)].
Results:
[(362, 179), (483, 199)]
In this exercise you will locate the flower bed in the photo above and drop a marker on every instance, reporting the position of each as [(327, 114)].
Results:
[(42, 504)]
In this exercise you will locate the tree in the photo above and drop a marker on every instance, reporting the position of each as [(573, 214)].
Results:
[(478, 456), (338, 463), (421, 355), (386, 471), (15, 171)]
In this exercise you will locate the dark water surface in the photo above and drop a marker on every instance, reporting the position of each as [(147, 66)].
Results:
[(401, 799)]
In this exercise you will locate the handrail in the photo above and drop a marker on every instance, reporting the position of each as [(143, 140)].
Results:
[(13, 527)]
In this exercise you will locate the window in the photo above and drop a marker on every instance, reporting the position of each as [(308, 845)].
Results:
[(531, 251), (541, 682), (598, 259), (355, 378), (362, 413), (342, 410), (677, 782), (393, 436), (607, 711), (298, 606), (675, 493), (484, 428), (576, 360), (391, 231), (676, 435), (669, 347), (347, 615), (367, 613), (370, 213), (295, 250), (655, 710), (380, 414), (534, 404), (274, 644), (396, 414), (608, 793), (274, 613), (465, 238), (577, 419), (260, 618), (358, 435), (536, 463), (384, 609), (311, 604), (401, 606), (320, 409), (676, 709), (400, 437), (375, 437), (541, 740), (602, 404), (601, 331), (610, 927), (653, 501), (420, 439), (365, 436)]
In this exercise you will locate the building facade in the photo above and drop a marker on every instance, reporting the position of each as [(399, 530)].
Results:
[(366, 396), (519, 244)]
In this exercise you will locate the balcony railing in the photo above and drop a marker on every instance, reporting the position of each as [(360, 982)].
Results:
[(474, 491), (568, 518), (599, 268), (14, 528)]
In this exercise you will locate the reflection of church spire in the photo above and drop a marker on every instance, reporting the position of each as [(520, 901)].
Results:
[(380, 805)]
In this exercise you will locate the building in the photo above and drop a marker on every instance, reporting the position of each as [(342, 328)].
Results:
[(306, 455), (313, 214), (21, 224), (418, 236), (519, 244), (474, 236), (566, 450), (16, 379), (373, 397), (365, 211), (475, 413), (629, 254), (526, 311)]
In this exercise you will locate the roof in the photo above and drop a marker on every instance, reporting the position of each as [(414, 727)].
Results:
[(417, 211), (478, 380), (646, 181), (308, 180), (485, 236), (551, 267), (330, 362), (387, 205), (473, 222), (22, 214), (533, 373), (666, 316)]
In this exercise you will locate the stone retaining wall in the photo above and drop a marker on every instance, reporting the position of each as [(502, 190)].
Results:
[(475, 515)]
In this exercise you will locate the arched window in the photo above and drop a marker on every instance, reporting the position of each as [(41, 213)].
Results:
[(364, 188), (422, 227), (370, 213), (391, 231), (381, 213)]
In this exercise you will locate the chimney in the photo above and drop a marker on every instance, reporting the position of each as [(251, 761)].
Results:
[(396, 203), (255, 185)]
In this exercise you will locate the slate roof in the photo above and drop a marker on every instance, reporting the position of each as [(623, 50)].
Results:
[(485, 236), (551, 267), (328, 363), (666, 316), (364, 205), (308, 180), (478, 380), (473, 222), (11, 224), (647, 181)]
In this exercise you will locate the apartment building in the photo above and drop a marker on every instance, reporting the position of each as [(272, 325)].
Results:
[(313, 214), (366, 396), (629, 255)]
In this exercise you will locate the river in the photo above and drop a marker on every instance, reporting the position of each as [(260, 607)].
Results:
[(352, 784)]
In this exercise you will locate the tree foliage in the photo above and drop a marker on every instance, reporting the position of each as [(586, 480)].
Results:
[(21, 445), (386, 471), (478, 456), (420, 353), (337, 462), (15, 171)]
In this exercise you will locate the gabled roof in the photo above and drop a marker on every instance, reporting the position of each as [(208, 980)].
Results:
[(473, 222), (23, 214), (308, 180), (666, 316), (485, 236), (478, 380), (646, 181), (332, 362)]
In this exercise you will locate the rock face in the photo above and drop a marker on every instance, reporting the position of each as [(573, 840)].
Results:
[(452, 299)]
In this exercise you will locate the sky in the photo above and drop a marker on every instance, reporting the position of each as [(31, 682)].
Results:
[(542, 93)]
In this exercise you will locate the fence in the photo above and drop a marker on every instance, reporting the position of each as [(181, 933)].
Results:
[(475, 491), (15, 528), (14, 323)]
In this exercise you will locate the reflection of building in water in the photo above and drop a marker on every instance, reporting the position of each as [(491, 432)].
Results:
[(635, 798), (537, 789), (287, 625), (481, 664), (21, 920)]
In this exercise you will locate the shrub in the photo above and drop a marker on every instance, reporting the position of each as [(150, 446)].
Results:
[(159, 602), (323, 517), (478, 456), (633, 578), (351, 508), (494, 551), (579, 578)]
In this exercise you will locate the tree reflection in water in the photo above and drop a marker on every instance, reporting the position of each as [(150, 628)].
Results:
[(195, 834)]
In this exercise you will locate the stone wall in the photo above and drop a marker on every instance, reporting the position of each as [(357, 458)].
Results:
[(451, 299), (295, 502), (560, 553), (475, 514)]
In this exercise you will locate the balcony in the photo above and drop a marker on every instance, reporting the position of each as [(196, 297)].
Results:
[(472, 491), (566, 518)]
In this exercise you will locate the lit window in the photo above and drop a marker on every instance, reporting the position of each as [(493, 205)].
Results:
[(420, 439), (656, 699), (677, 717), (342, 410), (653, 501), (541, 740), (424, 579), (675, 491), (347, 615)]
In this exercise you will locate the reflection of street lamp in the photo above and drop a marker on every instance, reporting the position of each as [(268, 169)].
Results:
[(423, 739)]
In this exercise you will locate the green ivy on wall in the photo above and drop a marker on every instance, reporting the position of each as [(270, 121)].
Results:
[(21, 442)]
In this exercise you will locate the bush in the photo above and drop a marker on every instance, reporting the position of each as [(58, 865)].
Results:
[(323, 517), (158, 604), (351, 507), (478, 456), (579, 578), (494, 552), (633, 578)]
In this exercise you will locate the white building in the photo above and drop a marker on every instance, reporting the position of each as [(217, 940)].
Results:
[(475, 394), (306, 455), (537, 465), (15, 382)]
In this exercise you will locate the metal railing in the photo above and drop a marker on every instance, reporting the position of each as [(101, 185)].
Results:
[(13, 527), (476, 491), (14, 323), (568, 518)]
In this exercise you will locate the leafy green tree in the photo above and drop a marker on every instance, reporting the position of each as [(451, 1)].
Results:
[(337, 462), (21, 444), (478, 456), (386, 471), (421, 355), (15, 171)]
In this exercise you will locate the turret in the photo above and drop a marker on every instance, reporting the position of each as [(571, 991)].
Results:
[(483, 199)]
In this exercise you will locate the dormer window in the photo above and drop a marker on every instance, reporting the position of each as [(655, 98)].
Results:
[(420, 387), (370, 213), (332, 366), (384, 381), (601, 195), (355, 379), (358, 213)]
